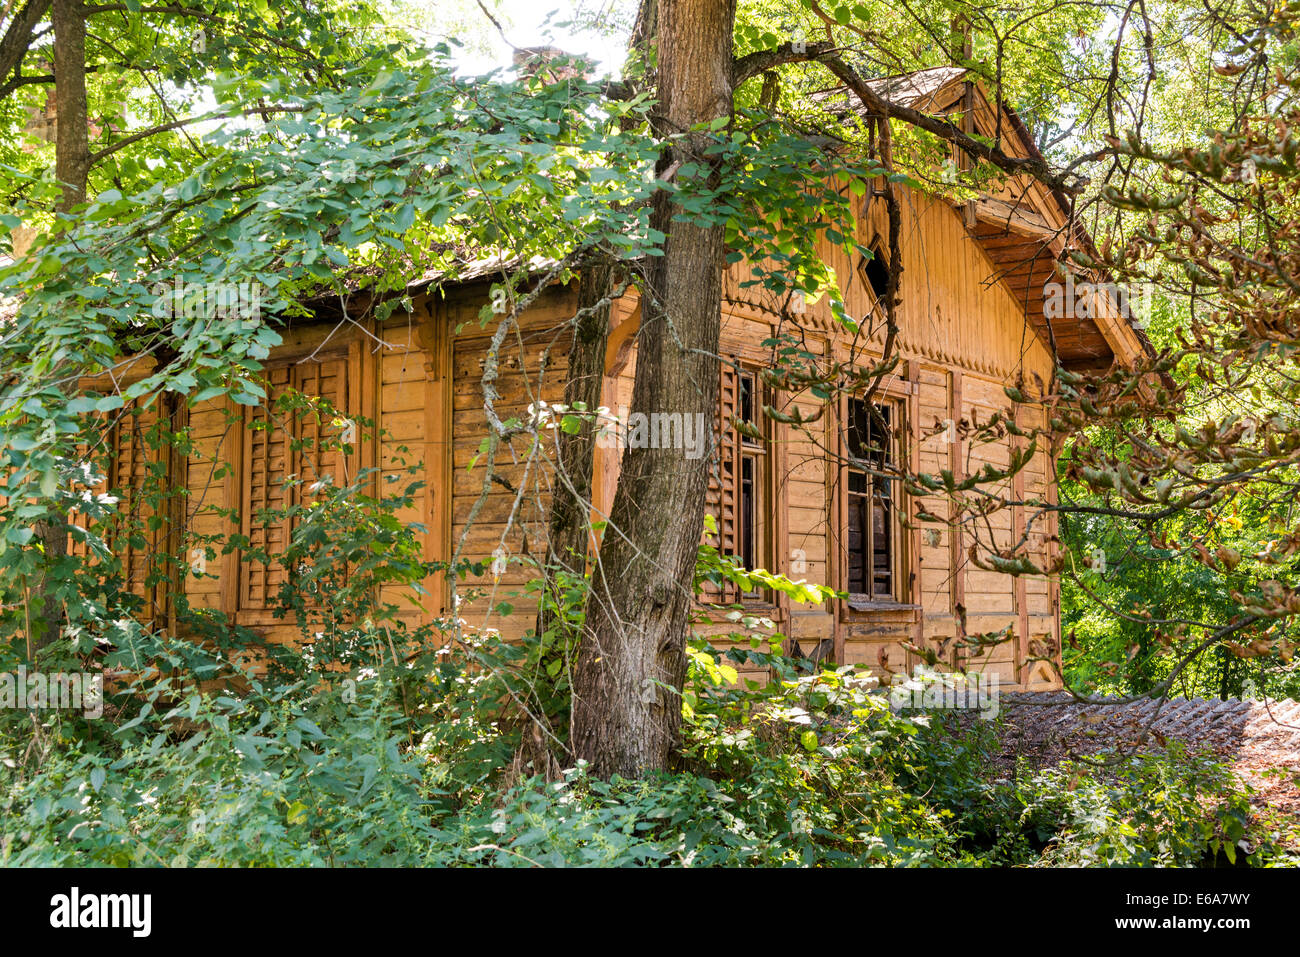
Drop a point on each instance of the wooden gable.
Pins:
(1024, 228)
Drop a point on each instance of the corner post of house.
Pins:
(911, 458)
(235, 492)
(837, 476)
(778, 494)
(956, 534)
(1018, 534)
(434, 337)
(365, 368)
(177, 470)
(1053, 550)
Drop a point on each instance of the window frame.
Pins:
(879, 260)
(744, 506)
(896, 396)
(870, 272)
(756, 454)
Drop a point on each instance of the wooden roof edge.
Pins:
(1127, 341)
(1053, 223)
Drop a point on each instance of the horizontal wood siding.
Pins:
(419, 376)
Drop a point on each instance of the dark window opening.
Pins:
(748, 510)
(749, 493)
(747, 399)
(871, 537)
(747, 406)
(876, 271)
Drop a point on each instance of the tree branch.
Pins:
(751, 65)
(262, 111)
(828, 55)
(17, 39)
(944, 128)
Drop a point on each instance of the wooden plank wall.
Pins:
(420, 377)
(509, 513)
(377, 375)
(965, 338)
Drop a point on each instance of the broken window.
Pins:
(872, 512)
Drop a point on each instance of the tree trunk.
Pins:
(71, 167)
(16, 43)
(569, 529)
(631, 661)
(72, 140)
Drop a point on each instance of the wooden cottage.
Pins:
(972, 321)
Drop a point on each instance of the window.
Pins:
(875, 271)
(873, 528)
(738, 485)
(280, 443)
(751, 459)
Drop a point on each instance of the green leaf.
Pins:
(297, 813)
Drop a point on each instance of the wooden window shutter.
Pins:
(278, 445)
(76, 546)
(132, 458)
(723, 495)
(126, 473)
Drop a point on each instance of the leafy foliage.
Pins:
(378, 741)
(372, 757)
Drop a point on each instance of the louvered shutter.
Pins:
(128, 477)
(723, 496)
(277, 445)
(133, 536)
(77, 517)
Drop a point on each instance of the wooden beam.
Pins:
(955, 533)
(1014, 218)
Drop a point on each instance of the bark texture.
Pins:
(569, 529)
(71, 167)
(631, 661)
(15, 44)
(72, 141)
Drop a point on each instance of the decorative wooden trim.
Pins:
(914, 506)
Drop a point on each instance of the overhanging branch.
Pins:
(17, 39)
(828, 55)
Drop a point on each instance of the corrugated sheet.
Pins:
(1260, 739)
(1199, 721)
